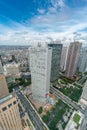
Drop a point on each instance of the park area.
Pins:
(58, 116)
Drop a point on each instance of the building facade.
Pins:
(3, 86)
(40, 66)
(84, 93)
(84, 123)
(56, 60)
(9, 114)
(83, 61)
(12, 69)
(64, 58)
(1, 68)
(72, 58)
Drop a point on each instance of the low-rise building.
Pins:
(75, 121)
(12, 69)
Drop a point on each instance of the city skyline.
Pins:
(43, 64)
(23, 21)
(43, 104)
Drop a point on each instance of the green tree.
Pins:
(40, 110)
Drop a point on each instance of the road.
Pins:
(31, 113)
(66, 99)
(82, 80)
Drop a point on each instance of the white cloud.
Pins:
(61, 3)
(25, 35)
(41, 11)
(51, 23)
(58, 3)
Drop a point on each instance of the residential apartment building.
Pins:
(72, 58)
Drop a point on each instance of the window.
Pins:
(4, 108)
(10, 105)
(14, 102)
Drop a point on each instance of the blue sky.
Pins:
(29, 21)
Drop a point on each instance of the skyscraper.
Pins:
(83, 62)
(9, 114)
(1, 68)
(40, 66)
(72, 58)
(3, 86)
(56, 59)
(84, 93)
(64, 58)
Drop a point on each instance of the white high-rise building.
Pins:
(40, 66)
(83, 60)
(1, 68)
(64, 58)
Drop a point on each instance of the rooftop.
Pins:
(12, 65)
(76, 118)
(75, 121)
(6, 98)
